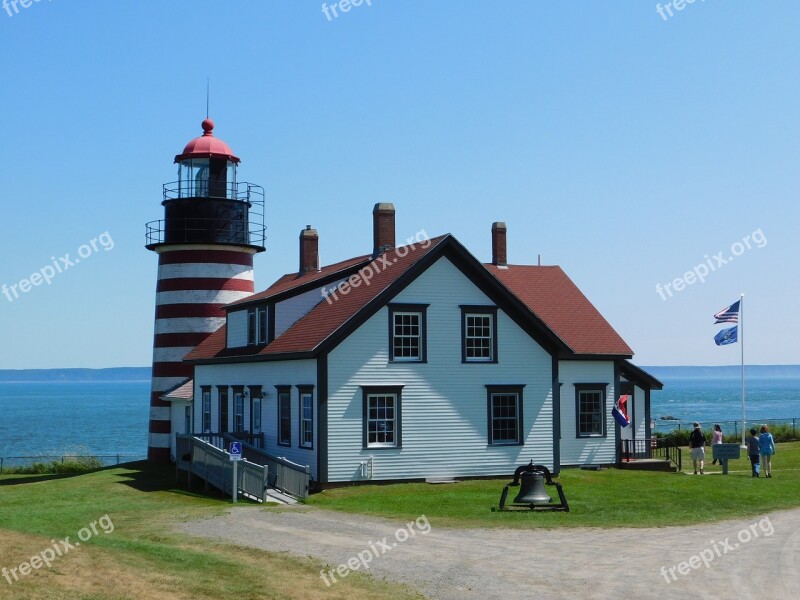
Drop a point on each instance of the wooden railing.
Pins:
(214, 466)
(284, 475)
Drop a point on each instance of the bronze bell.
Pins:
(532, 489)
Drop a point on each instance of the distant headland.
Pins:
(144, 373)
(76, 375)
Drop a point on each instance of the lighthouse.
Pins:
(212, 228)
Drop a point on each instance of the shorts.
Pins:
(698, 453)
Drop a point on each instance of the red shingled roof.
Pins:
(294, 280)
(182, 391)
(556, 300)
(546, 291)
(330, 314)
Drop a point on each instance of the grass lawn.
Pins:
(608, 498)
(141, 558)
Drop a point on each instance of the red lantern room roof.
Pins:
(207, 146)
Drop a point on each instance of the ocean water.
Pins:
(716, 400)
(54, 418)
(109, 418)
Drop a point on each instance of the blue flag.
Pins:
(727, 336)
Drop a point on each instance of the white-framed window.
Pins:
(590, 409)
(505, 415)
(407, 335)
(306, 416)
(206, 409)
(479, 334)
(284, 415)
(187, 419)
(382, 417)
(238, 409)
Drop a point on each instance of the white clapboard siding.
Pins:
(444, 402)
(288, 312)
(177, 414)
(237, 328)
(267, 375)
(575, 450)
(639, 420)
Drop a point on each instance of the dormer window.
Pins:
(257, 326)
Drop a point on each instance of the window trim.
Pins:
(220, 390)
(385, 390)
(284, 389)
(492, 390)
(466, 310)
(252, 327)
(303, 390)
(238, 389)
(205, 391)
(256, 397)
(422, 310)
(262, 323)
(591, 387)
(259, 317)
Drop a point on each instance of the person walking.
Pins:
(697, 440)
(753, 450)
(716, 438)
(767, 446)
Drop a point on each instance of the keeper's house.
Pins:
(417, 361)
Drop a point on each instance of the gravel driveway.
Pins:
(757, 557)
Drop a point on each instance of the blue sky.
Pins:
(619, 145)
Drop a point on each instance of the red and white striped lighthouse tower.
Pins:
(212, 228)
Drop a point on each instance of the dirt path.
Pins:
(761, 557)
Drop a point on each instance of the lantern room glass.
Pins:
(207, 178)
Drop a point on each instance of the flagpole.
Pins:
(741, 343)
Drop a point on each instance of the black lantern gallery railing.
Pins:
(211, 220)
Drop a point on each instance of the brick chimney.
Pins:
(309, 250)
(382, 228)
(499, 254)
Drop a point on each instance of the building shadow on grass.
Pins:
(32, 478)
(147, 477)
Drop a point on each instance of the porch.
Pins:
(649, 454)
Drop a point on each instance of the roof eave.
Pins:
(300, 288)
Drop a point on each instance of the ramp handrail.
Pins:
(214, 466)
(285, 475)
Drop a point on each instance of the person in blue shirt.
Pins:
(767, 446)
